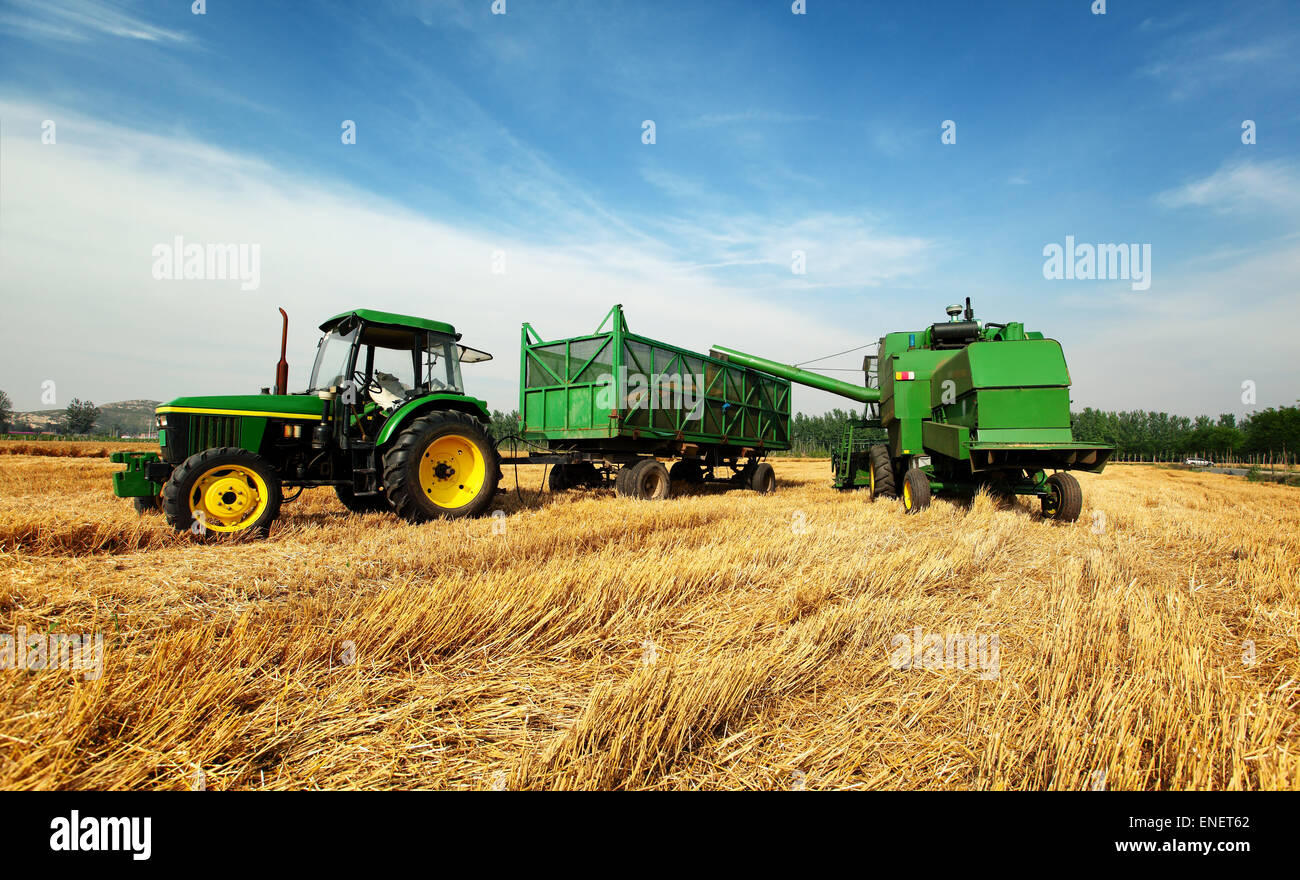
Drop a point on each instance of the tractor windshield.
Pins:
(441, 363)
(333, 356)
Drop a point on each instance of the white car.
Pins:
(1198, 462)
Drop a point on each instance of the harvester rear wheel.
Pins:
(362, 503)
(646, 479)
(763, 479)
(686, 471)
(882, 472)
(1064, 501)
(444, 465)
(916, 491)
(226, 489)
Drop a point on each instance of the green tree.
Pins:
(6, 411)
(80, 416)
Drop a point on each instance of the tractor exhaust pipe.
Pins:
(282, 368)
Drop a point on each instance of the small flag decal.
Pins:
(899, 377)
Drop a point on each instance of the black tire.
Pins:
(916, 491)
(412, 461)
(1064, 502)
(574, 475)
(763, 479)
(647, 479)
(558, 479)
(881, 468)
(146, 504)
(183, 495)
(685, 471)
(377, 503)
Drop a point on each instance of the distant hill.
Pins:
(122, 417)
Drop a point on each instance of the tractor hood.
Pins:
(285, 406)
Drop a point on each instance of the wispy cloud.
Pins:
(81, 21)
(1239, 186)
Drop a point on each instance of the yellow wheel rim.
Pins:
(228, 498)
(907, 495)
(873, 481)
(452, 471)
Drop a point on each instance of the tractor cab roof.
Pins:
(391, 319)
(381, 321)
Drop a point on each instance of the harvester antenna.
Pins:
(837, 354)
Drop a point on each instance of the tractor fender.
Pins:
(413, 409)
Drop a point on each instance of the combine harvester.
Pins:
(966, 405)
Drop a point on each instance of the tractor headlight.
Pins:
(162, 421)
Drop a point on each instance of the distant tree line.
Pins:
(1274, 431)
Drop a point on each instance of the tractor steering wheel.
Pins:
(371, 388)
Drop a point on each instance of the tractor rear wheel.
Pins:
(763, 479)
(882, 472)
(916, 491)
(647, 479)
(227, 490)
(1064, 501)
(443, 465)
(362, 503)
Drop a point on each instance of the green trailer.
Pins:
(609, 405)
(962, 405)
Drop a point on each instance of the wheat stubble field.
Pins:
(710, 641)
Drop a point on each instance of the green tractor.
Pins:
(384, 420)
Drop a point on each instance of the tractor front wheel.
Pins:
(225, 490)
(444, 465)
(916, 491)
(1064, 499)
(882, 472)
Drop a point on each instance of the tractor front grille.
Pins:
(188, 433)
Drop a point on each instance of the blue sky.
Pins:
(774, 132)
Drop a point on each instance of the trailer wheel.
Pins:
(558, 479)
(763, 479)
(362, 503)
(646, 479)
(572, 476)
(443, 465)
(1064, 501)
(882, 472)
(226, 489)
(686, 471)
(916, 491)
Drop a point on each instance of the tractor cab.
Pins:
(371, 364)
